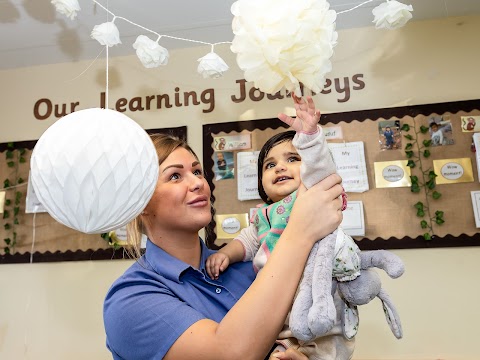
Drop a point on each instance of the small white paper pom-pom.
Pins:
(68, 8)
(391, 15)
(106, 34)
(150, 53)
(211, 66)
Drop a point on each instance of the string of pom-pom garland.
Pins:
(278, 43)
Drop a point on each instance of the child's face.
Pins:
(434, 127)
(281, 171)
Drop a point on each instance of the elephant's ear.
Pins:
(350, 320)
(391, 314)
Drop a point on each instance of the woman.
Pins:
(166, 307)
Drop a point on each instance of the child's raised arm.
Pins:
(307, 116)
(317, 162)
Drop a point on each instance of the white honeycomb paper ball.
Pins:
(94, 170)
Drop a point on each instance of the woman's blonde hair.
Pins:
(164, 145)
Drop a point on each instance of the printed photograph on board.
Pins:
(224, 165)
(440, 130)
(389, 135)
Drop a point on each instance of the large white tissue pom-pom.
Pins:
(282, 43)
(391, 15)
(106, 34)
(94, 170)
(150, 53)
(211, 66)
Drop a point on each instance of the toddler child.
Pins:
(281, 171)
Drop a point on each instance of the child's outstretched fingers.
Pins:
(294, 123)
(307, 116)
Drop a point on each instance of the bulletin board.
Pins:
(53, 241)
(390, 217)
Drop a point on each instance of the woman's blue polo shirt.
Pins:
(159, 297)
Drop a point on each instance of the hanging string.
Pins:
(355, 7)
(107, 57)
(106, 80)
(156, 33)
(33, 234)
(446, 8)
(88, 67)
(29, 298)
(159, 36)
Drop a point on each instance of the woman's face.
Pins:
(281, 171)
(181, 201)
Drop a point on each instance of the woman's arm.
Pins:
(250, 328)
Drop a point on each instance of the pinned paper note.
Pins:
(476, 206)
(229, 225)
(232, 142)
(476, 140)
(2, 201)
(392, 174)
(119, 235)
(353, 222)
(470, 123)
(452, 171)
(247, 178)
(350, 162)
(333, 132)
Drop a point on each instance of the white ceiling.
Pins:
(32, 33)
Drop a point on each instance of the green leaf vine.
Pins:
(14, 157)
(416, 151)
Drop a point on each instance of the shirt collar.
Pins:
(169, 266)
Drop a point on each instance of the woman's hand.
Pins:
(318, 210)
(289, 354)
(307, 116)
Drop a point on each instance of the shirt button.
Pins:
(218, 290)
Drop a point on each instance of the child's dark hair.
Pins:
(269, 144)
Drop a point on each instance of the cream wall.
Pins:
(54, 310)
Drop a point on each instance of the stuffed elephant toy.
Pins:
(313, 313)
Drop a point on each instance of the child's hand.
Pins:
(289, 354)
(307, 116)
(216, 263)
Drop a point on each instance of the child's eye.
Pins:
(269, 165)
(294, 158)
